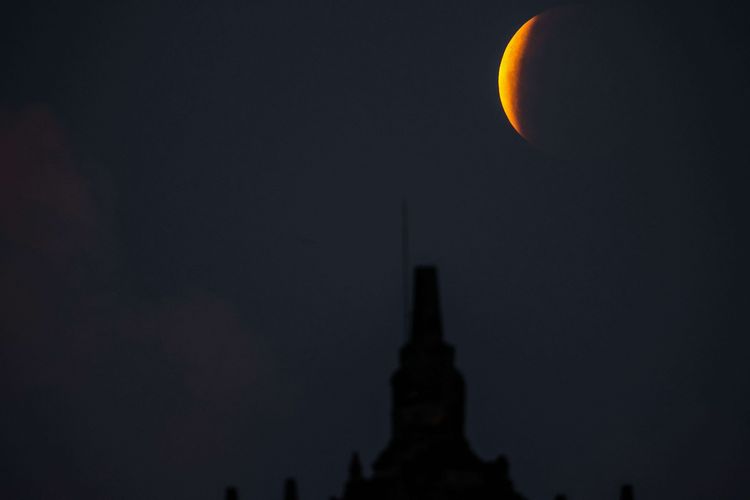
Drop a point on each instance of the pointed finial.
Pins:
(405, 263)
(355, 468)
(232, 493)
(290, 489)
(626, 493)
(426, 321)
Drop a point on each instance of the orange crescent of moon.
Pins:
(509, 76)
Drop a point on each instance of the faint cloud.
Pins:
(45, 203)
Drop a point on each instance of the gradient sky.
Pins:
(200, 249)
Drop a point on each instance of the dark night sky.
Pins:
(200, 249)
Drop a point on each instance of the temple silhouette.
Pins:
(428, 456)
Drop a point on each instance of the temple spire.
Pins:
(355, 480)
(355, 468)
(626, 493)
(426, 324)
(290, 489)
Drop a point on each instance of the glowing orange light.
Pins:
(509, 76)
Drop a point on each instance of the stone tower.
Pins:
(428, 455)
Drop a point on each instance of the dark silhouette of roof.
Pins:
(428, 456)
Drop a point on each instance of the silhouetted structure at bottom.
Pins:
(428, 456)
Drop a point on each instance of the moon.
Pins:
(509, 75)
(567, 78)
(540, 75)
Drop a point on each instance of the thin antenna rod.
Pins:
(405, 263)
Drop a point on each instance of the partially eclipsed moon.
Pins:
(509, 76)
(568, 81)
